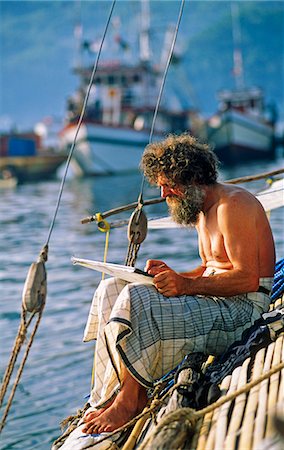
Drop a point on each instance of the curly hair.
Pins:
(182, 159)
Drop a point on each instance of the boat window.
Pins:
(110, 79)
(136, 78)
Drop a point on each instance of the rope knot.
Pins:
(103, 224)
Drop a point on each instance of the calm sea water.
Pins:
(57, 375)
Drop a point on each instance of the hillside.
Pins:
(38, 50)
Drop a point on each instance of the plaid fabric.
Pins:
(150, 334)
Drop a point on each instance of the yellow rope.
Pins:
(106, 250)
(104, 227)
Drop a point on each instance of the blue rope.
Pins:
(278, 283)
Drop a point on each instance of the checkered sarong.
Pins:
(150, 334)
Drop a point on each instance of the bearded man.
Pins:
(144, 331)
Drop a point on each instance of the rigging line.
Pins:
(163, 84)
(79, 123)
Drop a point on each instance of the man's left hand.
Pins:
(170, 283)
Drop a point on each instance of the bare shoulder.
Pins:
(237, 200)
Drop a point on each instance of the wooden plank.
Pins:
(201, 436)
(223, 419)
(238, 410)
(210, 443)
(280, 402)
(260, 420)
(279, 302)
(194, 441)
(273, 389)
(246, 436)
(204, 431)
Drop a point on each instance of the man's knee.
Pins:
(111, 286)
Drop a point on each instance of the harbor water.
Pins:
(57, 375)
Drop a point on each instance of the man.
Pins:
(144, 331)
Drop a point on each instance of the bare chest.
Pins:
(211, 242)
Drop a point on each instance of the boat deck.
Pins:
(247, 421)
(244, 423)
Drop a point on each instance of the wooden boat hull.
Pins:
(32, 168)
(238, 137)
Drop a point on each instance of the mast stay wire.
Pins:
(137, 226)
(34, 292)
(80, 122)
(162, 85)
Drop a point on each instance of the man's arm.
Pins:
(194, 273)
(154, 266)
(237, 224)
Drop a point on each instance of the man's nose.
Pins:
(164, 191)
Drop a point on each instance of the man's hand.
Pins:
(171, 284)
(166, 280)
(155, 266)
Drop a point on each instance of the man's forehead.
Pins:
(163, 179)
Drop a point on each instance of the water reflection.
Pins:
(57, 376)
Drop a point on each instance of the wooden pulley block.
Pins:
(137, 226)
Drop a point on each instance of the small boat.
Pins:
(23, 156)
(240, 131)
(243, 128)
(117, 122)
(8, 180)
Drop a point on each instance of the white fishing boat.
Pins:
(242, 129)
(116, 125)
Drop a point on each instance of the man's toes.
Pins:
(90, 428)
(91, 415)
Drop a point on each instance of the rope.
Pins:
(75, 419)
(132, 254)
(160, 200)
(20, 370)
(79, 123)
(187, 413)
(260, 176)
(192, 416)
(104, 227)
(21, 336)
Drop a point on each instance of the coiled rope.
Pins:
(34, 295)
(138, 220)
(183, 414)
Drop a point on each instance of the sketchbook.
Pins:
(127, 273)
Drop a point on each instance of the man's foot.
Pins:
(97, 412)
(116, 415)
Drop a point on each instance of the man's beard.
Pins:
(186, 210)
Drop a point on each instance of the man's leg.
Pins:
(129, 402)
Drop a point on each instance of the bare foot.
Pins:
(97, 412)
(117, 414)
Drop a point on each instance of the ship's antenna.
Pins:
(237, 38)
(78, 34)
(144, 34)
